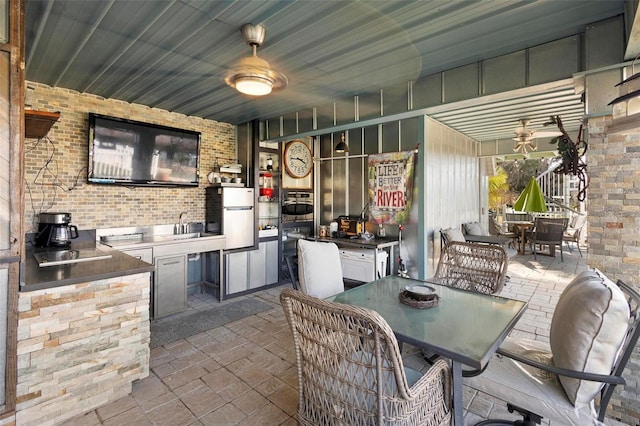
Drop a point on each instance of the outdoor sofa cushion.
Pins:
(473, 228)
(453, 234)
(319, 269)
(587, 331)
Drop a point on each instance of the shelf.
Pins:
(38, 123)
(228, 185)
(264, 233)
(231, 168)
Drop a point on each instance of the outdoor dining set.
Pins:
(349, 342)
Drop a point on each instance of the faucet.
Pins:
(181, 225)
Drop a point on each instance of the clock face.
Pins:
(298, 160)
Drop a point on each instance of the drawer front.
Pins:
(145, 254)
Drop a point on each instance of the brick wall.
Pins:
(613, 208)
(55, 164)
(80, 346)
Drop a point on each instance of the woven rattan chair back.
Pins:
(350, 371)
(476, 267)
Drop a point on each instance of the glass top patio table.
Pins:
(464, 326)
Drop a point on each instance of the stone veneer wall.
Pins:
(106, 206)
(80, 346)
(613, 209)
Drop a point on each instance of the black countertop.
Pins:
(119, 264)
(374, 243)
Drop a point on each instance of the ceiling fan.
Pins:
(253, 75)
(525, 137)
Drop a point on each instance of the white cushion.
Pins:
(587, 330)
(453, 234)
(319, 269)
(473, 228)
(529, 387)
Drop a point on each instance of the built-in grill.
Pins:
(297, 206)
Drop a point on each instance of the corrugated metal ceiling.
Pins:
(496, 117)
(174, 54)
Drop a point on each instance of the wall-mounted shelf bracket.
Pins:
(38, 123)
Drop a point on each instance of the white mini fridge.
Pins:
(230, 212)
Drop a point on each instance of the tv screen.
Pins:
(126, 152)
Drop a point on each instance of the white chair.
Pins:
(574, 231)
(319, 269)
(593, 332)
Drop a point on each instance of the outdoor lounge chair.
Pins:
(471, 229)
(506, 233)
(350, 371)
(449, 235)
(594, 330)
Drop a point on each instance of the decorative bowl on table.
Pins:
(420, 291)
(419, 296)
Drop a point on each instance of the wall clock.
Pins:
(298, 160)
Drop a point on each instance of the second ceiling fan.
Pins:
(525, 137)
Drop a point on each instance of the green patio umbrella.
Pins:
(531, 199)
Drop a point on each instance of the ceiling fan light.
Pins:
(253, 85)
(253, 75)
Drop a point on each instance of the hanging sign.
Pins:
(391, 186)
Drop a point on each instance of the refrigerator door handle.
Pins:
(239, 208)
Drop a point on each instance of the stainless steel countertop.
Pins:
(119, 264)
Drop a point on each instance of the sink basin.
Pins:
(184, 236)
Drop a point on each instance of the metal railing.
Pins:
(557, 190)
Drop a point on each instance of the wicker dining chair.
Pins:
(470, 266)
(350, 371)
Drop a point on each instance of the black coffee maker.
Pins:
(54, 230)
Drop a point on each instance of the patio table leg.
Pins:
(458, 409)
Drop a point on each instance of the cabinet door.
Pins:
(170, 290)
(257, 260)
(271, 261)
(236, 272)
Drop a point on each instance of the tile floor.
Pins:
(244, 373)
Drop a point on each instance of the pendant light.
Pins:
(342, 145)
(253, 75)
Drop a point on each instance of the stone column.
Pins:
(613, 208)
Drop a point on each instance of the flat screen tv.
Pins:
(126, 152)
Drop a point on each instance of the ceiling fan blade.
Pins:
(546, 133)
